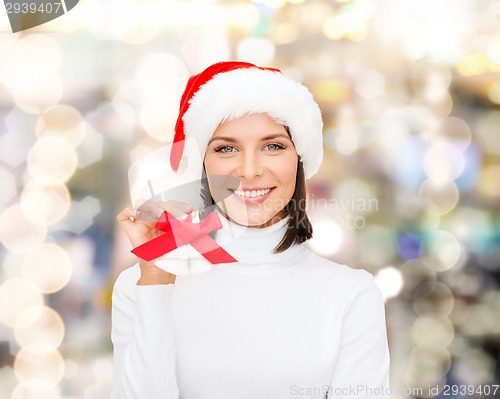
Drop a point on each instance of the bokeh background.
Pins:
(409, 188)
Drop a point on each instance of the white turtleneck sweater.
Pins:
(272, 326)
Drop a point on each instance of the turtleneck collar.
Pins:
(253, 247)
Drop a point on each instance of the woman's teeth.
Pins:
(252, 194)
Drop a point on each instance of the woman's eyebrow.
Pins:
(276, 136)
(234, 140)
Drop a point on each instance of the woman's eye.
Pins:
(224, 148)
(275, 146)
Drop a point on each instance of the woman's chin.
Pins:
(251, 217)
(248, 221)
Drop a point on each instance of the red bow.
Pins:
(179, 233)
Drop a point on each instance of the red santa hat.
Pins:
(228, 90)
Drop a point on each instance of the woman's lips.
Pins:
(252, 200)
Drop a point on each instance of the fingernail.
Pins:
(183, 217)
(159, 211)
(138, 213)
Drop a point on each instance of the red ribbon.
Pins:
(183, 232)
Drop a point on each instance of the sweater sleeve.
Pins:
(144, 352)
(362, 366)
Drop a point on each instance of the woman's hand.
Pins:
(139, 225)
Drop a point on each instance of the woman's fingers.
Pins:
(128, 215)
(176, 208)
(155, 208)
(139, 224)
(150, 211)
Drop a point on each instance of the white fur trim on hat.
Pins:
(230, 95)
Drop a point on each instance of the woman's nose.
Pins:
(250, 166)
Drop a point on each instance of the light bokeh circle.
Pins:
(63, 121)
(16, 295)
(39, 325)
(39, 362)
(35, 389)
(48, 267)
(52, 160)
(45, 204)
(17, 232)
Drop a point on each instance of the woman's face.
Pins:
(251, 165)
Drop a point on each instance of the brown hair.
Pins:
(299, 228)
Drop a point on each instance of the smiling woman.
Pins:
(273, 319)
(265, 164)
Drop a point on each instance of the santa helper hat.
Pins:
(229, 90)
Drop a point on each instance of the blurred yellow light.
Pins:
(16, 295)
(40, 96)
(257, 50)
(159, 115)
(332, 28)
(357, 35)
(489, 181)
(431, 329)
(133, 23)
(443, 162)
(161, 73)
(327, 237)
(244, 15)
(445, 196)
(284, 33)
(64, 121)
(331, 90)
(472, 64)
(494, 50)
(39, 362)
(442, 251)
(494, 93)
(48, 267)
(17, 232)
(296, 1)
(52, 160)
(35, 389)
(39, 325)
(45, 204)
